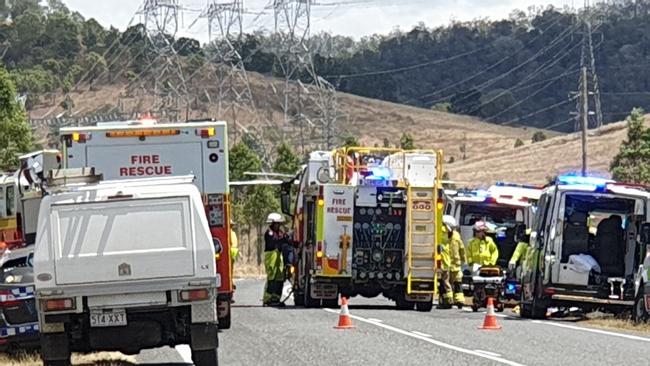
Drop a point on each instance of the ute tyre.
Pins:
(403, 304)
(298, 298)
(205, 358)
(225, 322)
(424, 307)
(639, 313)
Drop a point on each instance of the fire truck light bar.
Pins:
(142, 133)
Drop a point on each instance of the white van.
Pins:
(124, 266)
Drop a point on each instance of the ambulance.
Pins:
(145, 149)
(367, 222)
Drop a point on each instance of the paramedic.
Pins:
(481, 248)
(453, 258)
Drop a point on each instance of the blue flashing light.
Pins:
(379, 173)
(592, 182)
(511, 287)
(481, 193)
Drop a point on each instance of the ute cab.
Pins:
(585, 247)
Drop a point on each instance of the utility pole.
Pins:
(585, 119)
(588, 94)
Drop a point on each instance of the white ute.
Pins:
(125, 266)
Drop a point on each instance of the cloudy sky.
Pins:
(356, 18)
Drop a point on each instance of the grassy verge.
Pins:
(95, 359)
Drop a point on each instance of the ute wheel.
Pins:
(424, 307)
(224, 322)
(205, 358)
(474, 308)
(639, 313)
(500, 308)
(532, 310)
(298, 298)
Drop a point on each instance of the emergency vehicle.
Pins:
(503, 206)
(144, 148)
(589, 248)
(367, 222)
(9, 230)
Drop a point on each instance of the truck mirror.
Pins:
(285, 202)
(645, 233)
(217, 245)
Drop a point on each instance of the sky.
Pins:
(355, 18)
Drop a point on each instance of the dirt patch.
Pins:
(249, 271)
(95, 359)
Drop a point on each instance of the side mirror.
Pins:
(645, 233)
(285, 203)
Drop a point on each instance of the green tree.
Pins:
(538, 136)
(442, 107)
(260, 201)
(242, 159)
(95, 65)
(15, 132)
(632, 163)
(406, 142)
(519, 143)
(350, 141)
(287, 162)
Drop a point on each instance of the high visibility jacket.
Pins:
(234, 245)
(483, 252)
(453, 253)
(520, 253)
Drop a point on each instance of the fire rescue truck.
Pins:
(367, 222)
(144, 148)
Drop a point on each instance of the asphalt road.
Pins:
(385, 336)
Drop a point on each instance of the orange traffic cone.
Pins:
(490, 322)
(345, 322)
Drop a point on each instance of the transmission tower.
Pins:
(588, 107)
(225, 30)
(161, 22)
(292, 29)
(590, 82)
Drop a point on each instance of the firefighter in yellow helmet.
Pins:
(453, 258)
(481, 248)
(274, 239)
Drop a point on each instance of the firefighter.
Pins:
(519, 255)
(273, 241)
(234, 245)
(481, 248)
(453, 258)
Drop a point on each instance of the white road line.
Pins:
(421, 334)
(375, 320)
(590, 330)
(432, 341)
(186, 353)
(487, 353)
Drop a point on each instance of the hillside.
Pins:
(535, 163)
(370, 121)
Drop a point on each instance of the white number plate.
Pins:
(114, 318)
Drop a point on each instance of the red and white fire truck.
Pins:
(143, 148)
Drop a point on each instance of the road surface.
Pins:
(385, 336)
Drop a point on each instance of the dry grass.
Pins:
(617, 324)
(534, 163)
(95, 359)
(370, 120)
(249, 271)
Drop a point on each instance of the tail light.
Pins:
(58, 304)
(80, 137)
(7, 299)
(206, 132)
(194, 295)
(440, 204)
(319, 255)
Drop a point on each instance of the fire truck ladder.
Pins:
(421, 247)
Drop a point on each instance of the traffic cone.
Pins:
(345, 322)
(490, 322)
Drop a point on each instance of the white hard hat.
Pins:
(450, 222)
(480, 226)
(274, 217)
